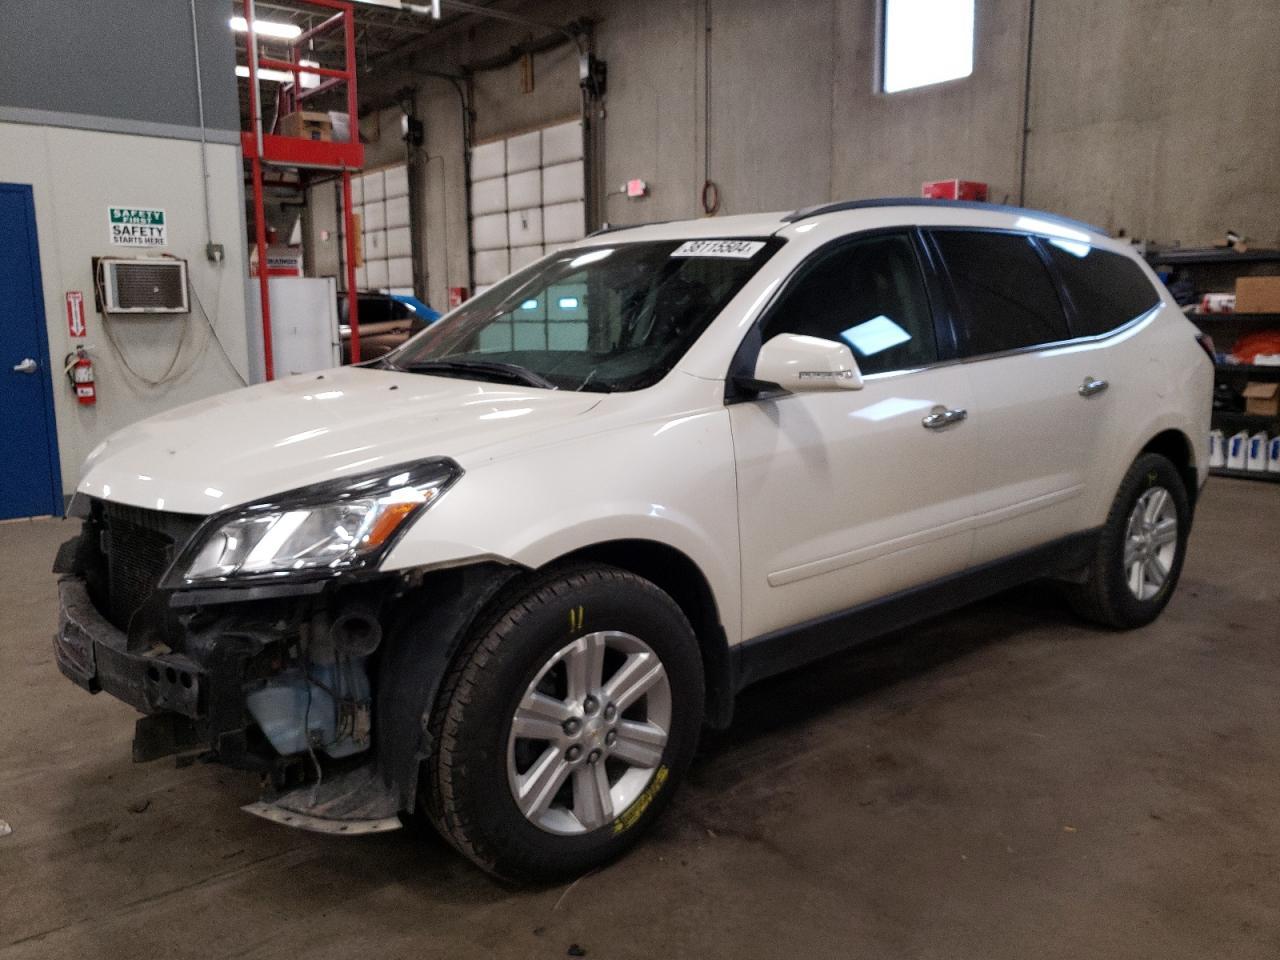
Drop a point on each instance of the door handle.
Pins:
(1091, 386)
(942, 417)
(26, 366)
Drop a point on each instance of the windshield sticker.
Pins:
(733, 249)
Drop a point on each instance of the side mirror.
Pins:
(800, 364)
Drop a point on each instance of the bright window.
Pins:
(926, 41)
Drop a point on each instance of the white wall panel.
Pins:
(400, 272)
(489, 232)
(524, 227)
(539, 202)
(489, 160)
(375, 245)
(561, 143)
(488, 196)
(524, 152)
(373, 186)
(357, 191)
(523, 256)
(491, 266)
(374, 216)
(397, 212)
(399, 242)
(563, 182)
(524, 190)
(377, 274)
(563, 222)
(396, 181)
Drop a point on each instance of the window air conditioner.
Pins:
(143, 285)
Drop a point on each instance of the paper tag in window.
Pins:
(733, 249)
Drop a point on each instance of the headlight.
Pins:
(316, 531)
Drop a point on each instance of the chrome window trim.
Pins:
(1072, 341)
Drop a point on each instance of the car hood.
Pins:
(263, 440)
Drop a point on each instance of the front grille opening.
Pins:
(137, 547)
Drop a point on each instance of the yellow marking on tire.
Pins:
(631, 816)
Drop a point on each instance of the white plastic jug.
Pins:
(1236, 450)
(1256, 454)
(1217, 448)
(1273, 455)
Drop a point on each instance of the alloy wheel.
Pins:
(589, 732)
(1151, 543)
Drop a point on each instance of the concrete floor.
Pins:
(1003, 782)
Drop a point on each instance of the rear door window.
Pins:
(1106, 290)
(1005, 297)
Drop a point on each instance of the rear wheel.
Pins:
(1139, 556)
(565, 724)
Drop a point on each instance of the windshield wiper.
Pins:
(507, 371)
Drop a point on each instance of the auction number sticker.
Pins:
(733, 249)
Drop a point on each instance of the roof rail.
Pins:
(870, 204)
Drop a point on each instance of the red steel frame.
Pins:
(262, 149)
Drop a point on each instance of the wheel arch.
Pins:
(1175, 446)
(676, 574)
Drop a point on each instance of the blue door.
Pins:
(30, 480)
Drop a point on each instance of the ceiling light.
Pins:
(309, 80)
(267, 28)
(275, 76)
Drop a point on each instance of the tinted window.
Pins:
(1106, 289)
(1004, 294)
(867, 293)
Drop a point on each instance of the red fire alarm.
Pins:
(457, 296)
(637, 189)
(953, 190)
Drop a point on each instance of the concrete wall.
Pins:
(75, 176)
(1157, 117)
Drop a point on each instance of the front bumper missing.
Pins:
(183, 701)
(95, 655)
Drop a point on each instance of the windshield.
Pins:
(596, 318)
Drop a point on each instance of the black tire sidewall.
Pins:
(1149, 470)
(534, 629)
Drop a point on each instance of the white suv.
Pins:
(505, 574)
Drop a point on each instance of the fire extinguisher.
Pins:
(79, 370)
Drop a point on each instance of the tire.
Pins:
(493, 792)
(1109, 596)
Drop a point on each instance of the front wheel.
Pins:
(1140, 551)
(565, 724)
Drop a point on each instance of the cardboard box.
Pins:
(1262, 398)
(1258, 295)
(953, 190)
(307, 124)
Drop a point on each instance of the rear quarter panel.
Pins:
(1163, 381)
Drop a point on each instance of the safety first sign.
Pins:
(137, 227)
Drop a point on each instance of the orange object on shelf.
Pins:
(1248, 347)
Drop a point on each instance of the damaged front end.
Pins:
(292, 675)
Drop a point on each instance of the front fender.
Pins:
(670, 481)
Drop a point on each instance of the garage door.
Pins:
(527, 199)
(380, 198)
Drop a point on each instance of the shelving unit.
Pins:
(264, 148)
(1218, 269)
(1225, 328)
